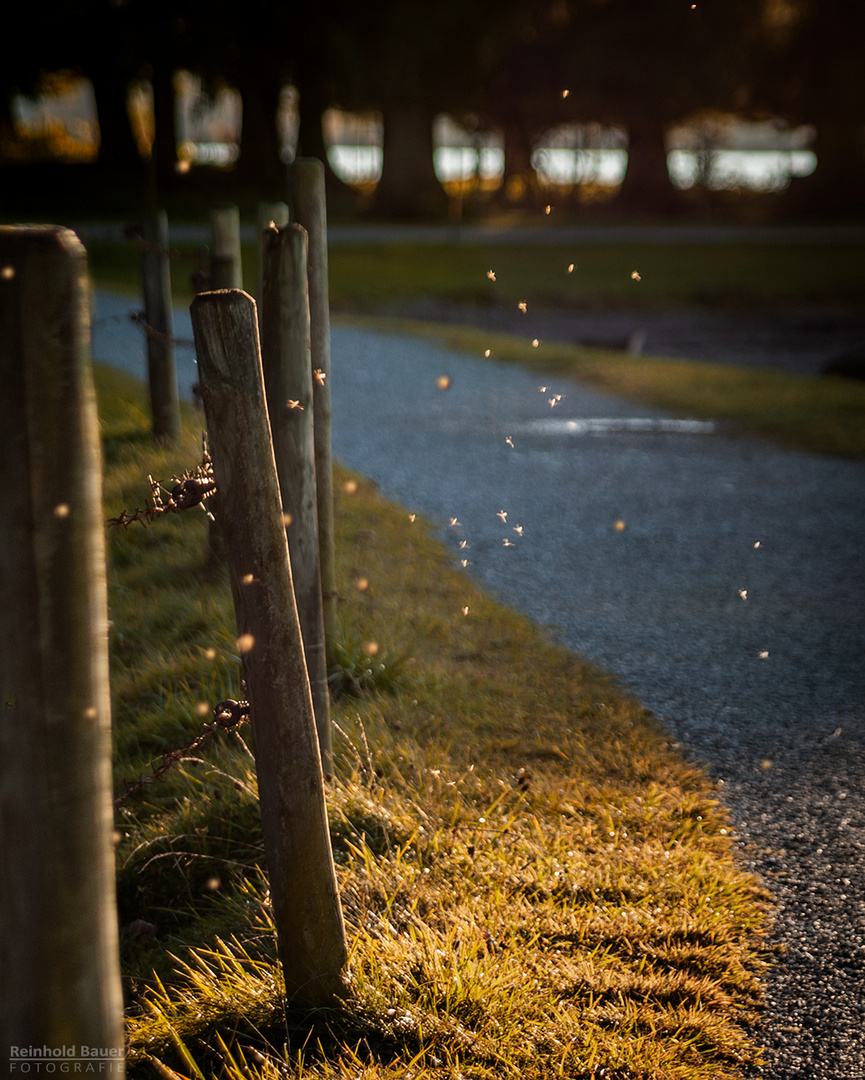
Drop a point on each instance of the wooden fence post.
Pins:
(226, 272)
(309, 209)
(306, 908)
(284, 321)
(60, 983)
(265, 213)
(225, 266)
(159, 332)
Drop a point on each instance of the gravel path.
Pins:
(767, 688)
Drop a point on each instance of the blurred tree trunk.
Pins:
(165, 140)
(118, 151)
(409, 187)
(259, 164)
(646, 185)
(8, 131)
(310, 144)
(837, 185)
(310, 141)
(519, 181)
(811, 73)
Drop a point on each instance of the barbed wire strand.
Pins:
(227, 714)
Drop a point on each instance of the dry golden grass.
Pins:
(535, 883)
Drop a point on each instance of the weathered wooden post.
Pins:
(225, 266)
(226, 272)
(309, 209)
(288, 381)
(306, 908)
(60, 982)
(265, 213)
(159, 331)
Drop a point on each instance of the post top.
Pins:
(43, 237)
(222, 296)
(291, 233)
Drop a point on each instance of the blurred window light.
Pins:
(221, 155)
(568, 167)
(209, 125)
(354, 145)
(722, 153)
(356, 165)
(60, 122)
(454, 163)
(754, 170)
(465, 152)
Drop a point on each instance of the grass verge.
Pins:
(368, 277)
(596, 275)
(535, 883)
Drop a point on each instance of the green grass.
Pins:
(364, 278)
(535, 883)
(809, 413)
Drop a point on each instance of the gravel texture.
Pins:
(766, 688)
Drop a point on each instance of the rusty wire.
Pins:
(228, 714)
(191, 489)
(200, 277)
(131, 233)
(139, 318)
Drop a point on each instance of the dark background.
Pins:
(493, 65)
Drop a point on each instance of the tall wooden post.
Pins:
(225, 266)
(60, 982)
(161, 366)
(265, 214)
(309, 209)
(306, 906)
(284, 322)
(226, 272)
